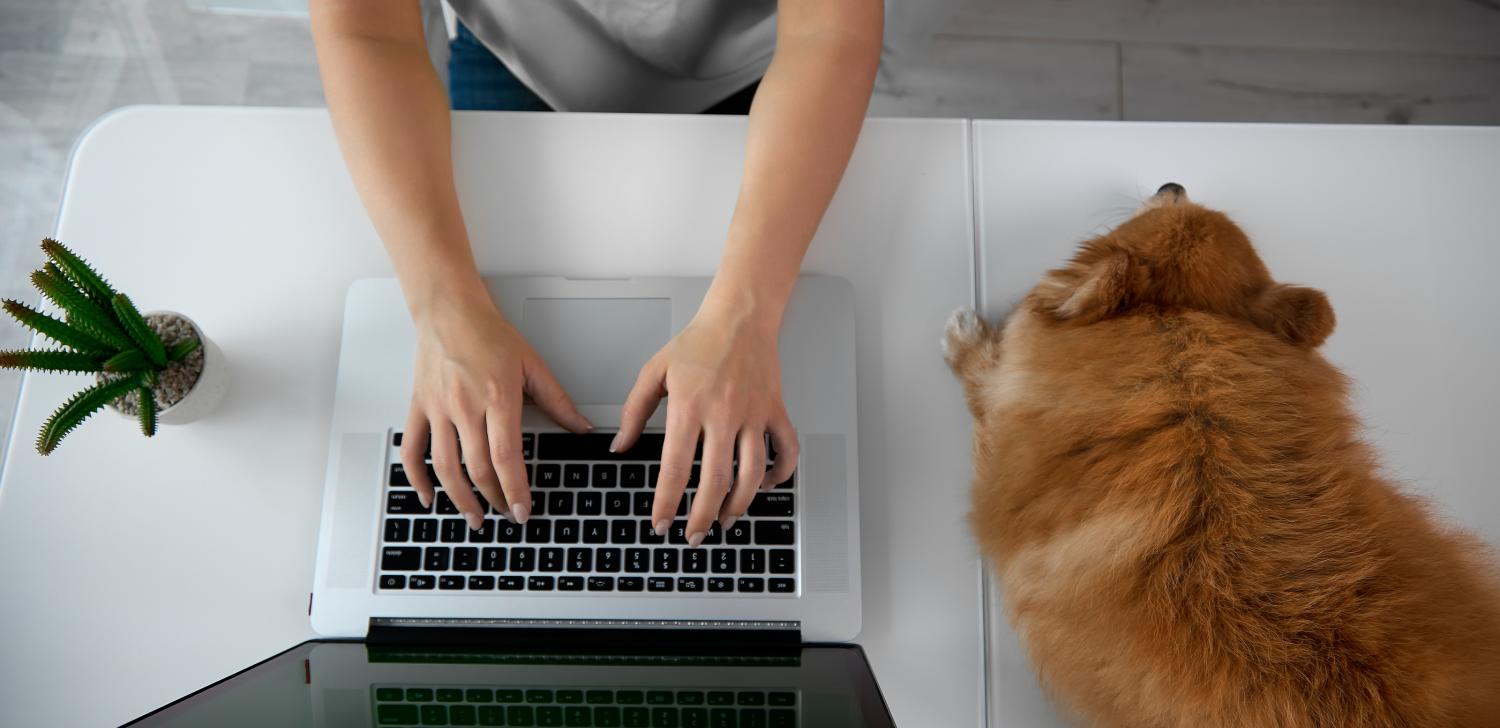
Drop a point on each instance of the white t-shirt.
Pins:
(670, 56)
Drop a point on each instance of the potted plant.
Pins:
(155, 368)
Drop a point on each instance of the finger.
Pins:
(713, 481)
(504, 422)
(450, 472)
(640, 404)
(551, 398)
(747, 482)
(784, 437)
(476, 449)
(414, 455)
(678, 447)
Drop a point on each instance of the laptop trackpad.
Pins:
(596, 346)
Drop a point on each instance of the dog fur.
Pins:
(1187, 529)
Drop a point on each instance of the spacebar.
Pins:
(595, 446)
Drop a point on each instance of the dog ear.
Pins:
(1302, 316)
(1092, 292)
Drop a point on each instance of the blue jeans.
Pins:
(478, 81)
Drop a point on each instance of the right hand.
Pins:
(473, 370)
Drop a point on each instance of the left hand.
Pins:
(723, 373)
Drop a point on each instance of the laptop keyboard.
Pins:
(399, 705)
(590, 530)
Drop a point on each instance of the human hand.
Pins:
(724, 377)
(473, 370)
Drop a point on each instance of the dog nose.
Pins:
(1171, 189)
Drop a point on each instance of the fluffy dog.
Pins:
(1187, 529)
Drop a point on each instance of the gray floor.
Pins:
(65, 62)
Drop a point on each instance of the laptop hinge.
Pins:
(662, 636)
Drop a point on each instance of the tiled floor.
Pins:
(65, 62)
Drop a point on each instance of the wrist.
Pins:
(449, 310)
(739, 307)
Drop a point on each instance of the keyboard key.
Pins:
(539, 504)
(596, 531)
(751, 584)
(508, 583)
(590, 503)
(551, 559)
(752, 561)
(622, 532)
(453, 530)
(607, 560)
(538, 530)
(450, 582)
(424, 530)
(511, 696)
(601, 583)
(648, 534)
(398, 558)
(549, 715)
(565, 531)
(539, 583)
(421, 581)
(738, 534)
(445, 505)
(492, 559)
(570, 583)
(450, 695)
(580, 560)
(642, 503)
(689, 584)
(720, 584)
(418, 695)
(606, 716)
(481, 583)
(606, 476)
(659, 697)
(523, 558)
(388, 695)
(749, 698)
(720, 697)
(659, 584)
(636, 717)
(478, 695)
(772, 505)
(595, 446)
(678, 534)
(507, 532)
(695, 561)
(434, 715)
(783, 586)
(403, 501)
(632, 476)
(722, 561)
(575, 476)
(436, 558)
(398, 477)
(773, 533)
(715, 535)
(548, 475)
(780, 698)
(485, 534)
(689, 697)
(519, 715)
(528, 445)
(637, 561)
(782, 718)
(465, 558)
(392, 581)
(616, 503)
(790, 482)
(664, 561)
(560, 504)
(655, 475)
(568, 697)
(631, 583)
(783, 561)
(396, 714)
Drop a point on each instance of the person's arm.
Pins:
(390, 113)
(723, 371)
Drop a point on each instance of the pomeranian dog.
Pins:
(1187, 529)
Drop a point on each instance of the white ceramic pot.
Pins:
(206, 393)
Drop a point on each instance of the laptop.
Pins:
(582, 615)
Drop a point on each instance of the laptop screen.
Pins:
(336, 684)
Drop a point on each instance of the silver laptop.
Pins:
(587, 559)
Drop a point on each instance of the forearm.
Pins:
(804, 122)
(390, 114)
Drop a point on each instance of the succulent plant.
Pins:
(101, 332)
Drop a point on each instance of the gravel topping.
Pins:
(177, 379)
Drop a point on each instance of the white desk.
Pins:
(136, 571)
(1395, 224)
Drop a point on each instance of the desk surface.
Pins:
(131, 580)
(1393, 223)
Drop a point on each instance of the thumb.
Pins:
(549, 396)
(643, 400)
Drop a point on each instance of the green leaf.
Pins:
(55, 329)
(130, 360)
(47, 360)
(82, 312)
(78, 409)
(183, 348)
(147, 411)
(136, 326)
(79, 272)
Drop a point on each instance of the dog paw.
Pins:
(965, 330)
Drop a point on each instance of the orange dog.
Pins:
(1188, 531)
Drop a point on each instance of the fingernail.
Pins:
(520, 512)
(476, 520)
(507, 516)
(662, 527)
(614, 445)
(426, 502)
(696, 539)
(586, 424)
(728, 523)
